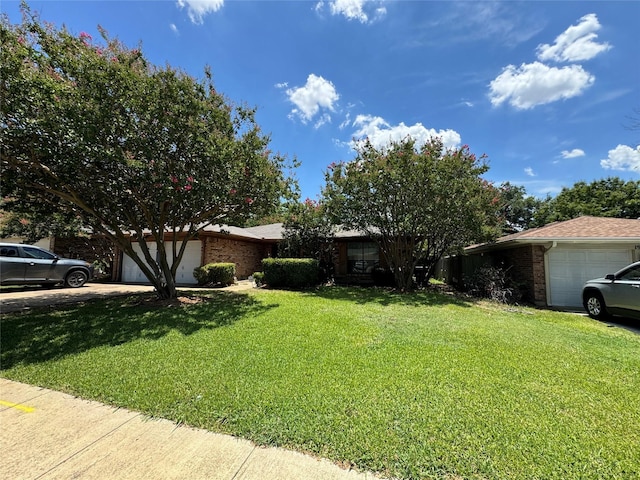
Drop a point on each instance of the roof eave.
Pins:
(486, 247)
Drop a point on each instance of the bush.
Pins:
(290, 272)
(258, 277)
(494, 283)
(383, 277)
(222, 274)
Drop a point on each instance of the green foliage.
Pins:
(92, 129)
(290, 272)
(308, 233)
(258, 277)
(222, 274)
(516, 208)
(493, 283)
(609, 197)
(416, 203)
(33, 220)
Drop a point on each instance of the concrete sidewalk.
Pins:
(51, 435)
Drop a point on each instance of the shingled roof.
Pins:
(582, 229)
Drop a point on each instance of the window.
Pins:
(633, 274)
(37, 253)
(362, 257)
(9, 252)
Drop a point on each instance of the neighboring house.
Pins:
(553, 262)
(246, 247)
(354, 260)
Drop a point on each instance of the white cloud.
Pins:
(324, 118)
(535, 84)
(173, 28)
(529, 172)
(576, 43)
(576, 152)
(540, 188)
(380, 133)
(355, 9)
(623, 157)
(198, 9)
(316, 94)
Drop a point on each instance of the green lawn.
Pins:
(415, 386)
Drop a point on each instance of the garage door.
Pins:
(131, 273)
(570, 268)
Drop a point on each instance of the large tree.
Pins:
(416, 203)
(134, 151)
(517, 209)
(609, 197)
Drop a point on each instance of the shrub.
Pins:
(383, 277)
(494, 283)
(290, 272)
(215, 274)
(258, 277)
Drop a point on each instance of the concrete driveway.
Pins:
(24, 298)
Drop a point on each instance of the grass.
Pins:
(413, 386)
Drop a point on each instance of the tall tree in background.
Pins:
(609, 197)
(416, 203)
(517, 209)
(93, 131)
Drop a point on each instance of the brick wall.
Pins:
(246, 255)
(539, 277)
(527, 268)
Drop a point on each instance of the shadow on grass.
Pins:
(384, 296)
(46, 334)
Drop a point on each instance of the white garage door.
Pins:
(131, 273)
(570, 268)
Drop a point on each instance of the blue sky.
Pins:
(544, 88)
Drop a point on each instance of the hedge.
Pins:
(290, 272)
(216, 274)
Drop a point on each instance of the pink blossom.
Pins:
(188, 187)
(248, 200)
(174, 179)
(86, 38)
(233, 191)
(189, 179)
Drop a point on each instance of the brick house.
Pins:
(355, 256)
(554, 261)
(246, 247)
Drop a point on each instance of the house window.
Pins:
(362, 257)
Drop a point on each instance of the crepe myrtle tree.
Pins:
(134, 151)
(417, 203)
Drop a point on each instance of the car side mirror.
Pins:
(610, 276)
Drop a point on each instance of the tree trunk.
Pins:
(403, 277)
